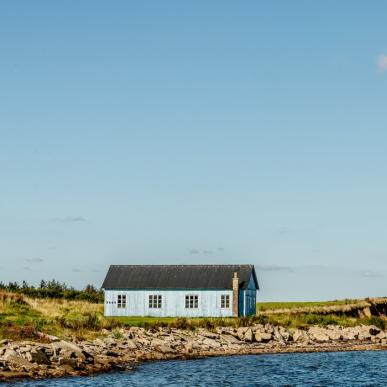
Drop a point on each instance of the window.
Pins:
(155, 301)
(225, 301)
(121, 301)
(191, 301)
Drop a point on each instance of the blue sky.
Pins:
(196, 132)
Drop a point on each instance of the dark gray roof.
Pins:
(177, 276)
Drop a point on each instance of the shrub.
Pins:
(377, 321)
(19, 332)
(180, 323)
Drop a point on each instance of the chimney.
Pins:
(235, 295)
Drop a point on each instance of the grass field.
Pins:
(264, 306)
(24, 318)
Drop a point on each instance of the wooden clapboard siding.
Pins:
(173, 303)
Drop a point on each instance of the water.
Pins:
(298, 369)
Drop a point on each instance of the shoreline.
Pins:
(125, 349)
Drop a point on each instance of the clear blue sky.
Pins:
(196, 132)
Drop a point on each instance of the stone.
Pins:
(9, 352)
(318, 334)
(230, 339)
(262, 337)
(112, 353)
(350, 334)
(188, 347)
(300, 336)
(36, 355)
(66, 346)
(165, 349)
(67, 361)
(131, 344)
(211, 343)
(210, 335)
(381, 335)
(19, 362)
(248, 335)
(373, 330)
(241, 332)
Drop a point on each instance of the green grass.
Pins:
(23, 318)
(264, 306)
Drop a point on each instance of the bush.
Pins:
(378, 322)
(88, 321)
(19, 332)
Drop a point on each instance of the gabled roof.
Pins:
(178, 276)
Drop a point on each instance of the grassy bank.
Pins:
(272, 306)
(22, 317)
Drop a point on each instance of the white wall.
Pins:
(173, 303)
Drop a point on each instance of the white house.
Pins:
(180, 290)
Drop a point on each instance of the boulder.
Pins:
(334, 335)
(63, 346)
(381, 335)
(18, 363)
(131, 344)
(241, 332)
(248, 335)
(350, 334)
(373, 330)
(319, 334)
(36, 355)
(210, 335)
(188, 347)
(211, 343)
(230, 339)
(262, 337)
(164, 349)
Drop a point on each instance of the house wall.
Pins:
(248, 300)
(173, 303)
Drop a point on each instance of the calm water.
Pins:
(317, 369)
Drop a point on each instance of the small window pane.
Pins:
(121, 301)
(191, 301)
(225, 301)
(155, 301)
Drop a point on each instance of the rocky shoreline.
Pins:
(124, 348)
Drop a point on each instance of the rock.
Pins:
(230, 339)
(157, 342)
(19, 363)
(365, 312)
(248, 335)
(65, 345)
(166, 348)
(210, 335)
(188, 347)
(373, 330)
(381, 335)
(112, 353)
(334, 335)
(10, 353)
(286, 336)
(350, 334)
(36, 355)
(211, 343)
(241, 332)
(277, 336)
(131, 344)
(262, 337)
(318, 334)
(67, 361)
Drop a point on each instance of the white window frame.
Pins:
(225, 301)
(191, 301)
(155, 301)
(121, 301)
